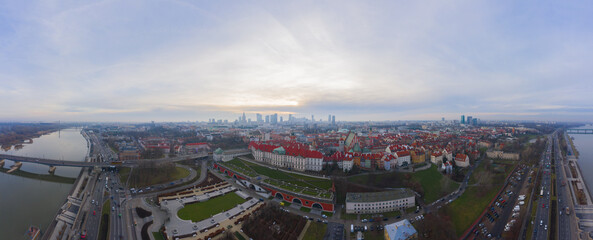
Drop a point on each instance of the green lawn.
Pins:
(315, 231)
(434, 184)
(318, 182)
(468, 207)
(305, 209)
(158, 236)
(202, 210)
(432, 181)
(124, 174)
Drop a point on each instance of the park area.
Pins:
(140, 177)
(201, 210)
(430, 182)
(487, 179)
(290, 181)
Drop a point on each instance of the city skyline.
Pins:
(184, 61)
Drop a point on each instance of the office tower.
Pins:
(312, 118)
(329, 118)
(462, 119)
(274, 118)
(267, 118)
(469, 120)
(281, 119)
(290, 117)
(475, 121)
(259, 117)
(334, 120)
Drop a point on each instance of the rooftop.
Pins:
(400, 230)
(379, 196)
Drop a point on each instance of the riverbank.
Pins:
(43, 177)
(63, 226)
(579, 187)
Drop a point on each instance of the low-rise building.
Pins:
(461, 160)
(197, 147)
(402, 230)
(378, 202)
(403, 158)
(128, 153)
(347, 164)
(436, 158)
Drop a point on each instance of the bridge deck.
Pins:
(53, 162)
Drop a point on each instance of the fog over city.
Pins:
(358, 60)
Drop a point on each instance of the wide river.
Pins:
(25, 201)
(584, 144)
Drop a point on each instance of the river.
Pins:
(25, 201)
(584, 144)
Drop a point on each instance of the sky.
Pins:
(175, 60)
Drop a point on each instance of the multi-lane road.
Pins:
(566, 224)
(542, 216)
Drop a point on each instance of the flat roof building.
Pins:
(378, 202)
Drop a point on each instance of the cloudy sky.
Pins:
(176, 60)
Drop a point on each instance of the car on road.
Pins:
(94, 213)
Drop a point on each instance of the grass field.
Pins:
(315, 231)
(307, 185)
(434, 184)
(432, 181)
(124, 174)
(468, 207)
(202, 210)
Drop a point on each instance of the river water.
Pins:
(584, 144)
(25, 201)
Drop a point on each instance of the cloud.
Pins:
(173, 60)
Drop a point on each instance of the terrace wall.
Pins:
(305, 202)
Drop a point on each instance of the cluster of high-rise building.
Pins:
(469, 120)
(276, 119)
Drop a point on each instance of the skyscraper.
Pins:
(334, 120)
(244, 118)
(312, 118)
(267, 118)
(281, 119)
(462, 119)
(274, 118)
(329, 118)
(469, 120)
(290, 117)
(259, 117)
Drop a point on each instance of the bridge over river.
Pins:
(54, 162)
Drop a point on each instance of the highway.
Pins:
(566, 225)
(94, 220)
(542, 218)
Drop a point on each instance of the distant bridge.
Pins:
(579, 131)
(53, 162)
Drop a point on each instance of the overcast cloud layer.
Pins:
(359, 60)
